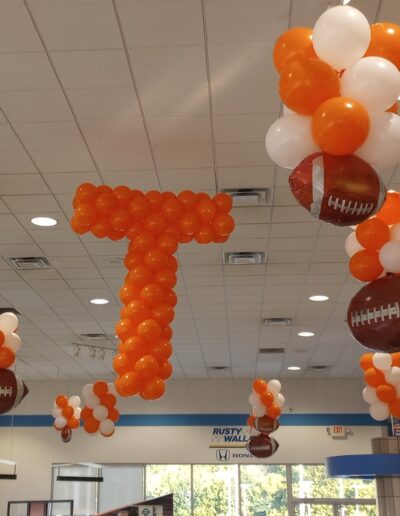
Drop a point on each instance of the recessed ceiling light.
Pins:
(43, 221)
(294, 368)
(306, 334)
(318, 297)
(99, 301)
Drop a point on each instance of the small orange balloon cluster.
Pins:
(266, 399)
(154, 223)
(382, 376)
(99, 413)
(374, 247)
(67, 413)
(10, 342)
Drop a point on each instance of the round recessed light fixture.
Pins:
(294, 368)
(44, 221)
(306, 334)
(99, 301)
(318, 297)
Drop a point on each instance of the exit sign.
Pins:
(337, 431)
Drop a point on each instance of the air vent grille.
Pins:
(219, 368)
(244, 258)
(319, 367)
(271, 351)
(93, 336)
(29, 263)
(277, 321)
(249, 196)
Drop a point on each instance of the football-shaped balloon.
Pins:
(66, 434)
(12, 390)
(342, 190)
(266, 424)
(262, 446)
(373, 315)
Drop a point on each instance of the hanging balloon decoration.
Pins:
(67, 413)
(99, 413)
(341, 83)
(155, 224)
(12, 388)
(266, 403)
(382, 376)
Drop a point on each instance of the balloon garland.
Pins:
(66, 412)
(382, 376)
(339, 83)
(154, 223)
(266, 403)
(99, 413)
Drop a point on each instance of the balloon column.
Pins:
(12, 388)
(340, 83)
(266, 403)
(154, 223)
(382, 376)
(99, 413)
(66, 412)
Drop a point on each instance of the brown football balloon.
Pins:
(66, 434)
(266, 424)
(373, 315)
(262, 446)
(342, 190)
(12, 390)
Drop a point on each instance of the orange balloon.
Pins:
(166, 279)
(100, 389)
(171, 298)
(172, 209)
(125, 329)
(168, 243)
(124, 195)
(139, 276)
(188, 199)
(260, 385)
(135, 347)
(147, 366)
(274, 411)
(128, 293)
(267, 399)
(205, 234)
(131, 383)
(224, 202)
(85, 193)
(366, 361)
(67, 412)
(86, 413)
(79, 228)
(86, 214)
(161, 349)
(250, 421)
(62, 401)
(394, 407)
(113, 414)
(390, 211)
(154, 197)
(223, 224)
(108, 400)
(291, 45)
(385, 42)
(140, 207)
(306, 83)
(173, 264)
(165, 370)
(206, 210)
(393, 109)
(106, 203)
(73, 423)
(101, 228)
(7, 357)
(2, 338)
(386, 392)
(365, 265)
(156, 260)
(396, 359)
(149, 329)
(163, 313)
(340, 126)
(154, 389)
(189, 224)
(166, 333)
(91, 425)
(155, 223)
(144, 241)
(152, 294)
(373, 233)
(374, 377)
(121, 363)
(133, 259)
(136, 312)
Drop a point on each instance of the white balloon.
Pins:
(274, 386)
(258, 410)
(379, 411)
(373, 81)
(254, 398)
(107, 427)
(77, 412)
(112, 389)
(254, 432)
(352, 245)
(8, 322)
(382, 361)
(389, 256)
(56, 412)
(87, 390)
(92, 401)
(395, 233)
(74, 401)
(341, 36)
(100, 413)
(381, 148)
(392, 376)
(60, 422)
(280, 400)
(13, 341)
(369, 395)
(289, 140)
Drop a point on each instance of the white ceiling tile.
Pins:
(172, 100)
(8, 140)
(252, 215)
(93, 69)
(54, 236)
(25, 185)
(104, 103)
(17, 32)
(68, 183)
(241, 128)
(157, 23)
(135, 157)
(179, 130)
(67, 249)
(63, 160)
(116, 133)
(291, 244)
(284, 230)
(198, 179)
(78, 27)
(35, 106)
(26, 71)
(31, 203)
(183, 155)
(49, 135)
(237, 98)
(16, 161)
(290, 214)
(143, 180)
(241, 154)
(246, 177)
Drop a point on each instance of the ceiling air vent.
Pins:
(271, 351)
(219, 368)
(277, 321)
(248, 196)
(93, 336)
(319, 367)
(244, 258)
(29, 263)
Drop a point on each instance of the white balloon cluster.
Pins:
(341, 37)
(66, 412)
(8, 327)
(100, 414)
(383, 389)
(265, 400)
